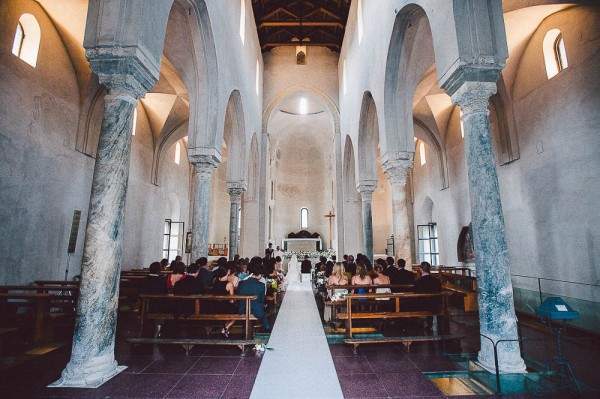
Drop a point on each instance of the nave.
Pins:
(306, 359)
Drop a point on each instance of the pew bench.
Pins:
(36, 310)
(170, 301)
(403, 308)
(462, 285)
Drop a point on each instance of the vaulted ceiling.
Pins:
(301, 22)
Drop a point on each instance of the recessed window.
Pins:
(428, 243)
(462, 125)
(303, 106)
(344, 77)
(257, 77)
(422, 153)
(304, 218)
(359, 21)
(239, 226)
(242, 20)
(177, 152)
(555, 54)
(27, 39)
(134, 125)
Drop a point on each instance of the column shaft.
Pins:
(339, 195)
(92, 358)
(236, 198)
(366, 193)
(201, 219)
(262, 193)
(397, 171)
(495, 295)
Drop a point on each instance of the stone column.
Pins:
(366, 188)
(397, 169)
(339, 194)
(203, 167)
(263, 193)
(235, 192)
(92, 358)
(495, 294)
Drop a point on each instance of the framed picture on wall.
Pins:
(188, 242)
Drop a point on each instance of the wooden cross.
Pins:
(330, 215)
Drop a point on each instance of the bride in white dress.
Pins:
(293, 273)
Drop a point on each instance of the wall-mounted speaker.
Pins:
(74, 231)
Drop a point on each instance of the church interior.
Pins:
(462, 133)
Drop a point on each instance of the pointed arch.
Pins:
(234, 135)
(368, 139)
(204, 138)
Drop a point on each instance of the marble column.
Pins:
(366, 188)
(495, 294)
(397, 169)
(92, 358)
(339, 194)
(203, 167)
(235, 193)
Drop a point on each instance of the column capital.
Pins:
(121, 71)
(203, 165)
(366, 188)
(397, 166)
(474, 96)
(235, 190)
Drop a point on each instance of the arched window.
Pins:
(177, 152)
(555, 55)
(257, 77)
(27, 39)
(462, 125)
(359, 22)
(134, 125)
(304, 218)
(422, 153)
(242, 20)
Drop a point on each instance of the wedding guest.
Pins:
(402, 276)
(306, 265)
(222, 286)
(381, 279)
(154, 282)
(233, 277)
(269, 251)
(206, 272)
(178, 274)
(361, 278)
(253, 286)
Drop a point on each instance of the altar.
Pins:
(302, 241)
(301, 244)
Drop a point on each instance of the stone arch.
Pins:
(368, 139)
(90, 120)
(204, 138)
(168, 138)
(431, 138)
(234, 135)
(350, 192)
(253, 171)
(503, 124)
(427, 209)
(296, 88)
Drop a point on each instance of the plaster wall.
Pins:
(382, 211)
(549, 195)
(220, 207)
(43, 179)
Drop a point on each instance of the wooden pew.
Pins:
(37, 307)
(166, 301)
(463, 285)
(56, 282)
(337, 304)
(398, 312)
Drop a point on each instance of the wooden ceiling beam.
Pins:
(308, 44)
(299, 23)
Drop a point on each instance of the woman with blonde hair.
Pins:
(338, 277)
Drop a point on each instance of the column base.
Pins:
(505, 366)
(92, 374)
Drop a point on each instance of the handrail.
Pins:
(539, 280)
(495, 345)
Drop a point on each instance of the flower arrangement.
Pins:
(311, 254)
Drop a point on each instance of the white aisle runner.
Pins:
(300, 364)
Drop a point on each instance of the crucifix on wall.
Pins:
(330, 215)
